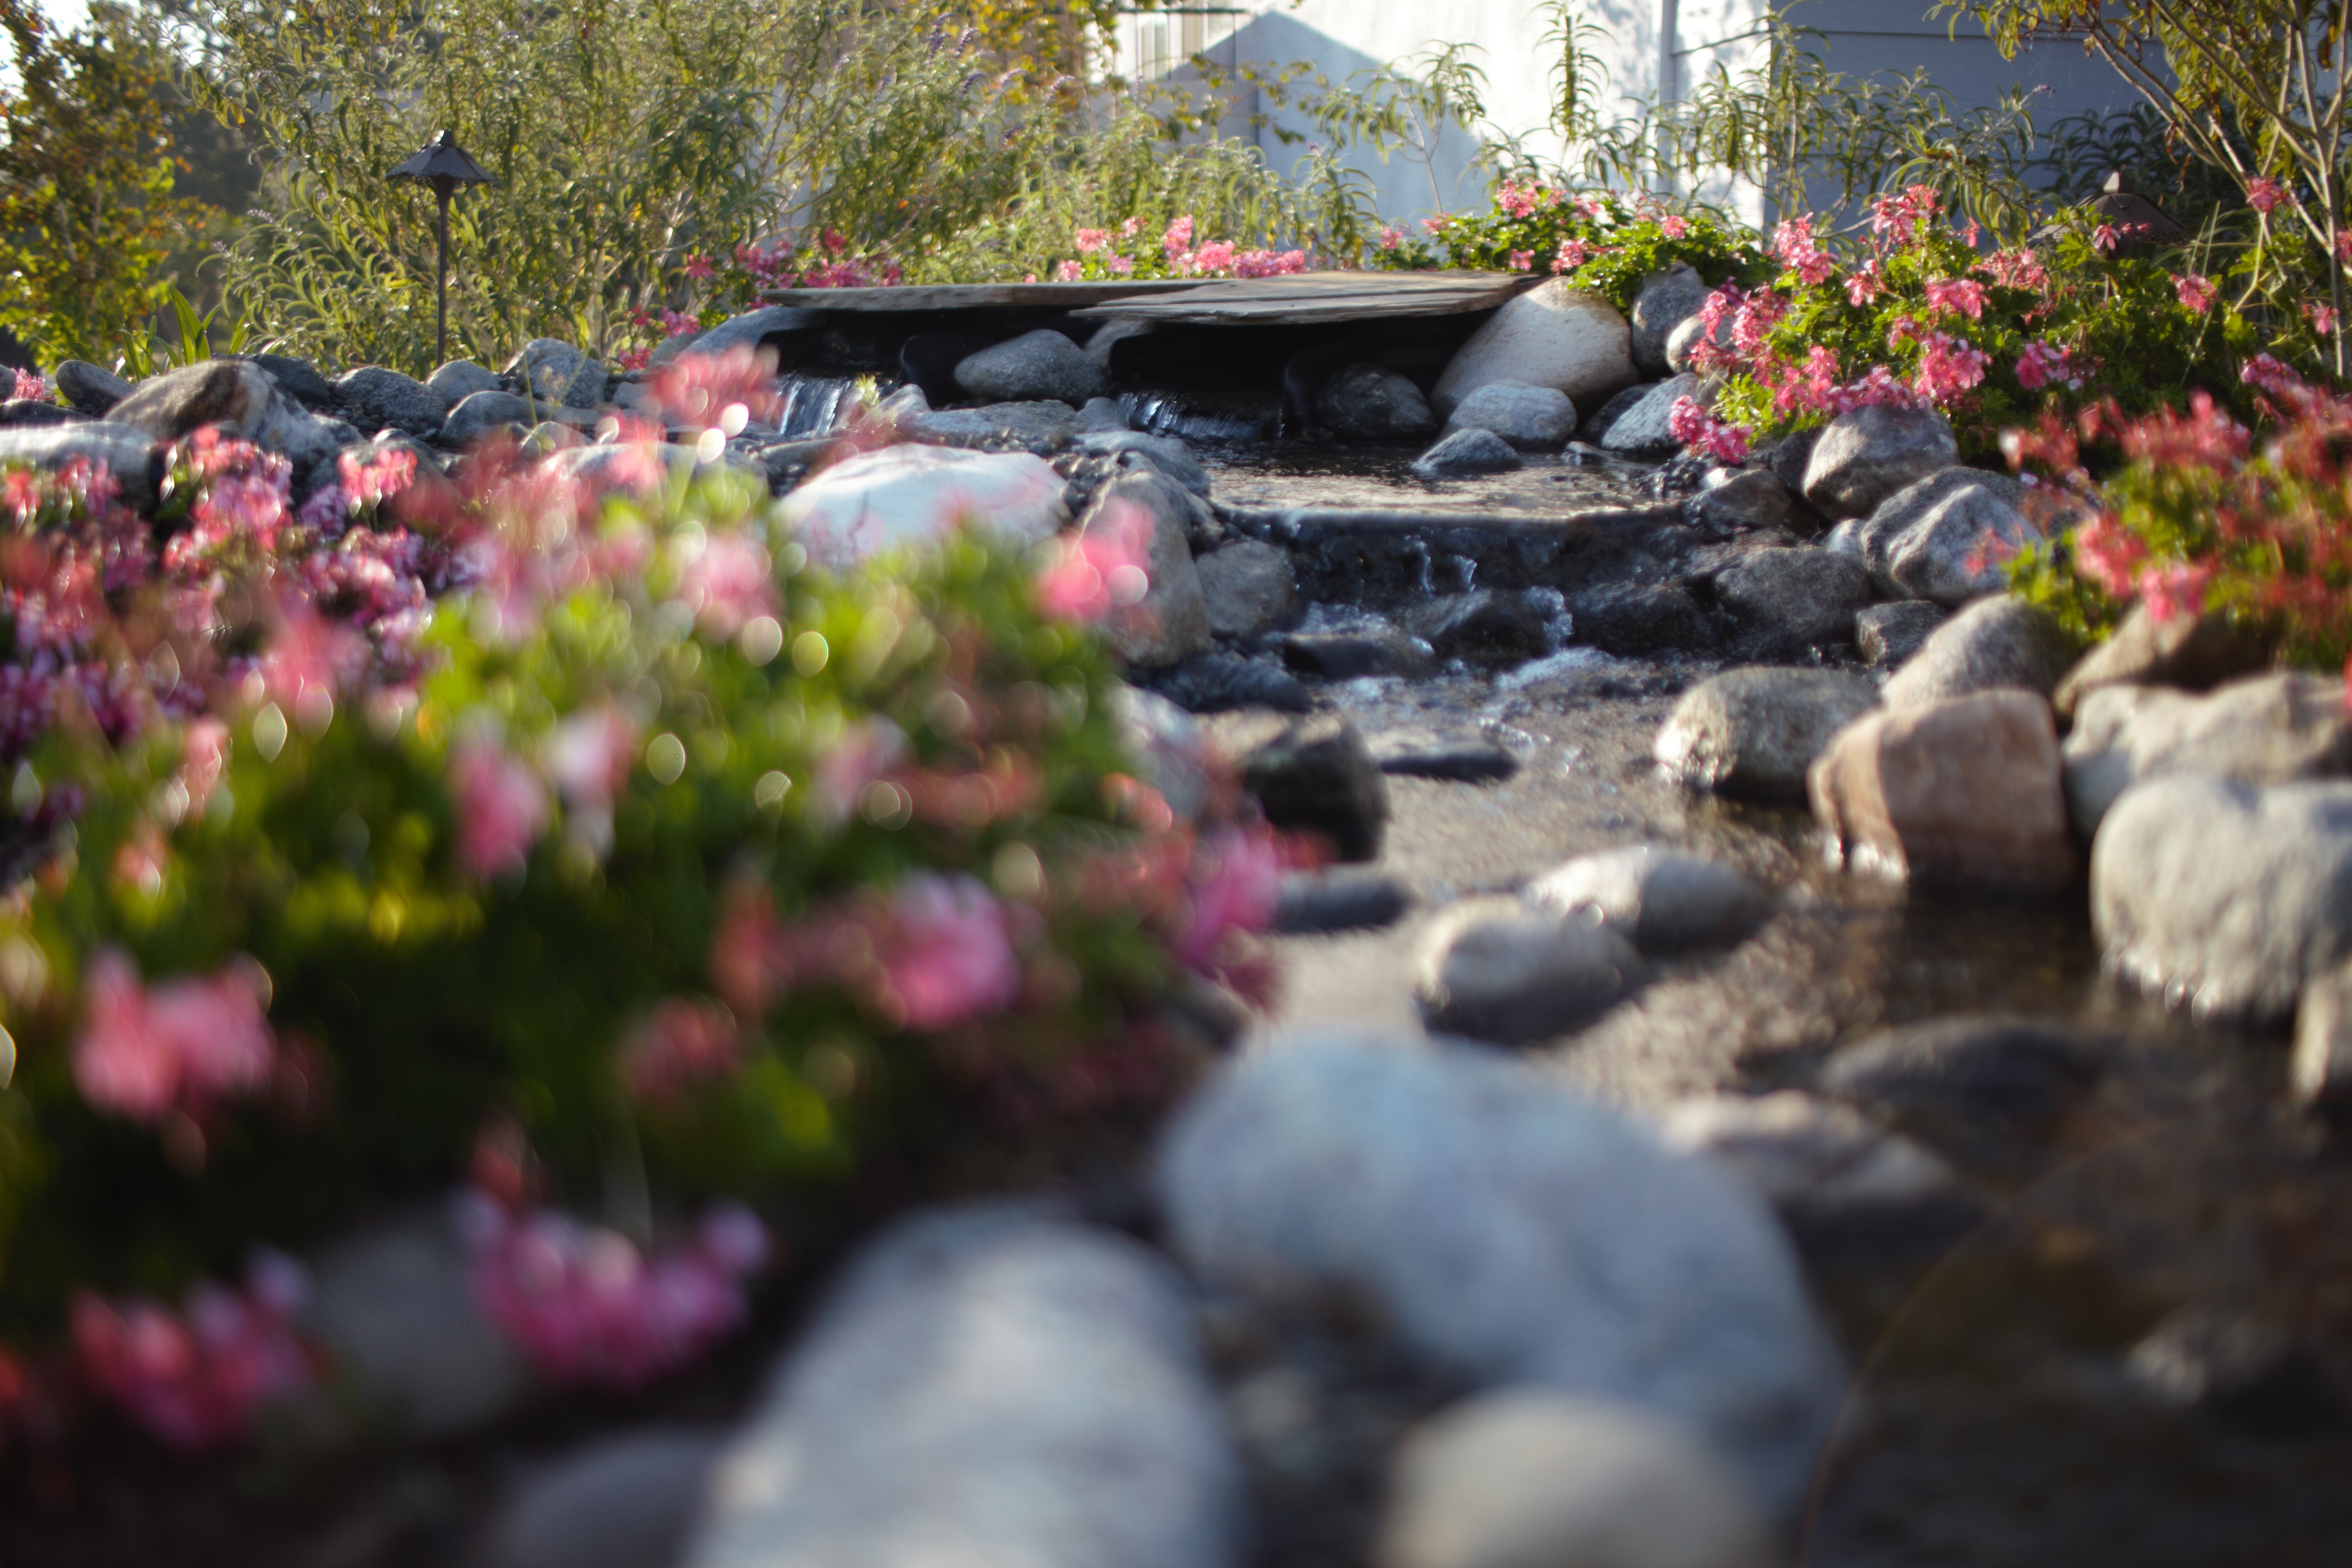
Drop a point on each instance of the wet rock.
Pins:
(1890, 633)
(1782, 604)
(2321, 1072)
(1835, 1176)
(1632, 619)
(1219, 682)
(1553, 335)
(299, 380)
(20, 412)
(1754, 731)
(1311, 774)
(1370, 403)
(1485, 626)
(93, 391)
(1947, 537)
(754, 330)
(1458, 756)
(1669, 297)
(1102, 415)
(2238, 1368)
(544, 367)
(482, 413)
(1467, 452)
(379, 399)
(238, 396)
(1350, 656)
(2227, 896)
(1036, 365)
(1682, 344)
(1343, 898)
(1965, 790)
(618, 1503)
(1970, 1083)
(1171, 623)
(2268, 729)
(587, 386)
(1597, 423)
(1493, 969)
(1735, 499)
(1531, 418)
(1999, 645)
(1532, 1478)
(2197, 653)
(1640, 431)
(1507, 1230)
(459, 379)
(986, 1388)
(1660, 900)
(1168, 453)
(395, 1311)
(1866, 455)
(1250, 587)
(915, 494)
(128, 453)
(1685, 474)
(1043, 428)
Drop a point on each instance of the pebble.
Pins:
(1531, 418)
(1782, 604)
(1961, 791)
(1505, 1229)
(1948, 537)
(1640, 430)
(1532, 1478)
(1336, 899)
(2266, 729)
(1250, 588)
(1553, 335)
(915, 494)
(1668, 297)
(2225, 897)
(1754, 731)
(1888, 635)
(1364, 402)
(617, 1503)
(1171, 623)
(1660, 900)
(1977, 1083)
(1463, 756)
(986, 1386)
(1836, 1177)
(2196, 652)
(1866, 455)
(1311, 772)
(2000, 644)
(1467, 452)
(1493, 969)
(1039, 364)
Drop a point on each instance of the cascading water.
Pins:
(1160, 413)
(813, 405)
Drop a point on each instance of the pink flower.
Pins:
(729, 581)
(1757, 315)
(1948, 367)
(1216, 257)
(2196, 292)
(2277, 379)
(2042, 365)
(2015, 269)
(500, 805)
(1701, 431)
(1517, 200)
(2322, 317)
(1522, 259)
(379, 475)
(1069, 272)
(187, 1044)
(2108, 554)
(308, 660)
(1090, 240)
(683, 1043)
(2263, 193)
(1108, 566)
(1866, 284)
(1673, 228)
(2105, 237)
(1904, 216)
(2344, 246)
(697, 389)
(945, 954)
(1800, 252)
(194, 1379)
(1963, 295)
(1572, 253)
(2174, 589)
(1121, 266)
(1810, 389)
(1236, 878)
(1437, 224)
(30, 388)
(698, 268)
(1390, 237)
(1179, 236)
(588, 757)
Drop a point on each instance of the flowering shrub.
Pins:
(585, 804)
(1124, 252)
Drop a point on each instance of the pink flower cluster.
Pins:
(1698, 428)
(1948, 368)
(2196, 292)
(1958, 296)
(1524, 201)
(1796, 248)
(185, 1045)
(682, 1043)
(500, 804)
(2015, 269)
(1108, 566)
(587, 1306)
(2044, 363)
(1903, 216)
(30, 388)
(2265, 193)
(1221, 258)
(194, 1378)
(1572, 253)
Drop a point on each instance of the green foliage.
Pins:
(1608, 243)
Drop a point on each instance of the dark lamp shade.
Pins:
(442, 159)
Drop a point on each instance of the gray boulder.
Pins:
(1467, 452)
(1134, 449)
(1754, 731)
(1669, 297)
(1733, 498)
(480, 414)
(1596, 425)
(301, 379)
(1044, 425)
(459, 379)
(380, 399)
(1866, 455)
(93, 391)
(1531, 418)
(985, 1387)
(1947, 537)
(1952, 1078)
(241, 399)
(1834, 1175)
(1036, 365)
(1991, 645)
(1378, 649)
(2226, 897)
(1485, 626)
(1507, 1230)
(1682, 344)
(752, 330)
(587, 386)
(1103, 415)
(1554, 335)
(1635, 619)
(1250, 588)
(1493, 969)
(1640, 430)
(2267, 729)
(2194, 652)
(1311, 772)
(1888, 635)
(617, 1503)
(1782, 604)
(1370, 403)
(125, 452)
(544, 367)
(1171, 622)
(1660, 900)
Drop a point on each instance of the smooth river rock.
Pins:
(1948, 537)
(1835, 1176)
(1866, 455)
(1553, 335)
(1371, 403)
(1466, 452)
(1250, 587)
(616, 1503)
(2266, 729)
(1311, 772)
(375, 398)
(1668, 297)
(1531, 418)
(2001, 644)
(1495, 969)
(1754, 731)
(1658, 899)
(1642, 430)
(2196, 652)
(1782, 604)
(917, 494)
(1039, 364)
(1170, 623)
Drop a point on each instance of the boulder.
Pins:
(1100, 414)
(1508, 1231)
(2224, 896)
(1635, 619)
(299, 380)
(1596, 425)
(1467, 452)
(2195, 652)
(459, 379)
(484, 412)
(1493, 969)
(1036, 365)
(1640, 430)
(1835, 1176)
(616, 1503)
(1866, 455)
(1532, 1478)
(1965, 790)
(915, 495)
(1888, 635)
(2239, 1367)
(126, 453)
(1310, 773)
(1789, 455)
(1553, 335)
(238, 396)
(1168, 748)
(754, 330)
(1973, 1083)
(1754, 731)
(1730, 499)
(1660, 900)
(2267, 729)
(1997, 645)
(1042, 427)
(1531, 418)
(93, 391)
(543, 368)
(1948, 537)
(1485, 626)
(1782, 604)
(1171, 622)
(18, 413)
(587, 386)
(1682, 344)
(377, 399)
(1668, 297)
(1250, 588)
(1364, 402)
(986, 1386)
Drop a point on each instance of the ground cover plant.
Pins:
(570, 839)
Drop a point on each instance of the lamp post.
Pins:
(444, 165)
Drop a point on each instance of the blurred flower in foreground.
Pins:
(1088, 574)
(187, 1044)
(194, 1378)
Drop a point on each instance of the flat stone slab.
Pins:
(1298, 299)
(978, 296)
